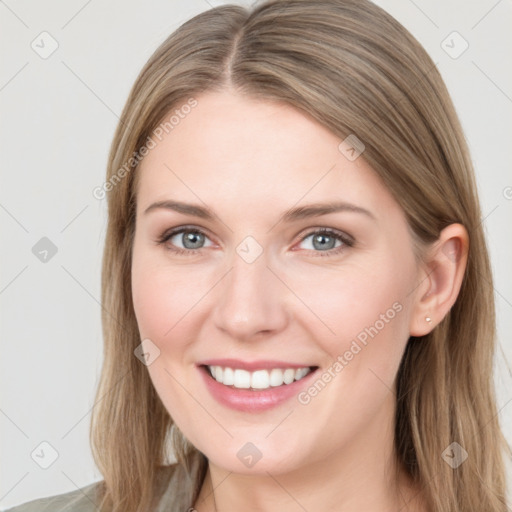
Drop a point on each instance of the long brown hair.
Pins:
(356, 70)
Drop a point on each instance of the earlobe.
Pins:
(440, 279)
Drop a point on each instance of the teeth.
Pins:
(259, 379)
(242, 379)
(276, 377)
(289, 376)
(301, 372)
(228, 378)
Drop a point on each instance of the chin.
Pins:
(254, 457)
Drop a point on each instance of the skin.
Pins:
(249, 161)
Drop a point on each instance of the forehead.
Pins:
(234, 150)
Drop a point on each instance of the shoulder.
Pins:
(176, 485)
(79, 500)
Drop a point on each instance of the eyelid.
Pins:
(178, 229)
(344, 236)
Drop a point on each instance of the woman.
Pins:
(296, 285)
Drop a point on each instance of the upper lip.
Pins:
(252, 365)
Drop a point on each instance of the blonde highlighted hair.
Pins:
(356, 70)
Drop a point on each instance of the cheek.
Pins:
(163, 298)
(164, 302)
(343, 304)
(368, 312)
(367, 309)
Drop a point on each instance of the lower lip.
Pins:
(247, 400)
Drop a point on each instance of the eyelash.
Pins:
(347, 240)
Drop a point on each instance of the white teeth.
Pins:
(276, 377)
(289, 376)
(301, 372)
(259, 379)
(229, 377)
(242, 379)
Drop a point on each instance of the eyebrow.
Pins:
(293, 214)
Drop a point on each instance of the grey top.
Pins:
(177, 495)
(80, 500)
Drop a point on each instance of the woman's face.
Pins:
(254, 287)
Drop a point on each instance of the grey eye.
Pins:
(189, 238)
(322, 241)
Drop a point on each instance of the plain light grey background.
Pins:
(58, 115)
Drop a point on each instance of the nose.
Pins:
(251, 300)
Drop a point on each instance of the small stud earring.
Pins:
(428, 319)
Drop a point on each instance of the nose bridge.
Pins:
(251, 297)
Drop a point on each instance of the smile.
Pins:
(254, 386)
(259, 379)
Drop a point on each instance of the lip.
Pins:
(246, 400)
(252, 366)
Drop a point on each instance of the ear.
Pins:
(440, 279)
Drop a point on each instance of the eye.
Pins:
(192, 240)
(324, 241)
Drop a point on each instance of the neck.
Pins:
(360, 476)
